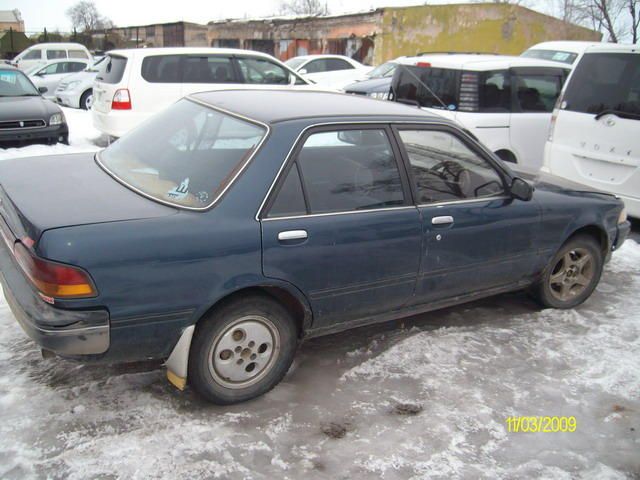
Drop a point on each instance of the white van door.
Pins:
(596, 138)
(535, 92)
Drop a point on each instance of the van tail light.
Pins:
(423, 64)
(469, 94)
(121, 100)
(52, 279)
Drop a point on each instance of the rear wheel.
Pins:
(242, 350)
(572, 275)
(86, 101)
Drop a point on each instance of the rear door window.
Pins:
(537, 93)
(429, 87)
(338, 64)
(208, 69)
(262, 71)
(494, 92)
(78, 54)
(605, 81)
(162, 68)
(55, 54)
(348, 170)
(33, 55)
(290, 198)
(112, 69)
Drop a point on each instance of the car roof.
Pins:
(613, 48)
(319, 55)
(480, 62)
(57, 45)
(566, 46)
(6, 66)
(143, 52)
(273, 106)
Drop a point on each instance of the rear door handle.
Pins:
(292, 235)
(445, 220)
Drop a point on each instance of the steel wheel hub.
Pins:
(572, 274)
(244, 352)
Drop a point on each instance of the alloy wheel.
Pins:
(572, 274)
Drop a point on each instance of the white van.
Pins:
(132, 85)
(506, 102)
(595, 132)
(43, 53)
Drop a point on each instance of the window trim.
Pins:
(470, 144)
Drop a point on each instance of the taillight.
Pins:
(423, 64)
(121, 100)
(469, 95)
(54, 279)
(554, 116)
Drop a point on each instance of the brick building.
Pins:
(11, 20)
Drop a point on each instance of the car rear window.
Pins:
(605, 81)
(112, 70)
(185, 156)
(429, 87)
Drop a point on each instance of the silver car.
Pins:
(76, 90)
(51, 74)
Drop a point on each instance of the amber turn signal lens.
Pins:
(54, 279)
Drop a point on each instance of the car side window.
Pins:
(262, 71)
(51, 69)
(494, 92)
(161, 69)
(347, 170)
(316, 66)
(33, 55)
(537, 93)
(208, 69)
(445, 169)
(56, 54)
(334, 64)
(78, 54)
(290, 198)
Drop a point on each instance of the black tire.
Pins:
(207, 337)
(83, 99)
(546, 292)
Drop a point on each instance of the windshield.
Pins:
(14, 83)
(553, 55)
(186, 156)
(294, 63)
(384, 70)
(605, 81)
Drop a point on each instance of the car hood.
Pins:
(372, 85)
(546, 181)
(42, 193)
(26, 108)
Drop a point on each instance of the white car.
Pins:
(568, 52)
(330, 71)
(506, 102)
(43, 53)
(76, 91)
(595, 132)
(51, 74)
(132, 85)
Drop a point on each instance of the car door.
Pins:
(535, 92)
(48, 77)
(339, 225)
(476, 236)
(204, 72)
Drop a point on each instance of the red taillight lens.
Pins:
(423, 64)
(54, 279)
(121, 100)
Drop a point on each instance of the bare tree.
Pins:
(634, 11)
(303, 7)
(84, 16)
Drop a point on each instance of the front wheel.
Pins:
(572, 275)
(242, 350)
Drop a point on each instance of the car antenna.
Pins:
(425, 86)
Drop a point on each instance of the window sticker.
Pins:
(180, 191)
(8, 77)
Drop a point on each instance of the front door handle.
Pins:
(292, 235)
(445, 220)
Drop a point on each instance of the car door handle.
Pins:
(292, 235)
(445, 220)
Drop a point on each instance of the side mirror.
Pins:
(521, 190)
(43, 89)
(302, 71)
(40, 74)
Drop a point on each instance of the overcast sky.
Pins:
(38, 14)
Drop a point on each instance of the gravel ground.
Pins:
(426, 397)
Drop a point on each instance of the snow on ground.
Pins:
(82, 138)
(426, 397)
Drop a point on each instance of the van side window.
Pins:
(537, 93)
(33, 55)
(78, 54)
(262, 71)
(494, 92)
(208, 69)
(290, 199)
(445, 169)
(429, 87)
(349, 170)
(55, 54)
(161, 69)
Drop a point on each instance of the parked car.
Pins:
(595, 132)
(51, 74)
(134, 84)
(45, 52)
(377, 82)
(76, 90)
(26, 117)
(568, 52)
(506, 102)
(330, 71)
(235, 223)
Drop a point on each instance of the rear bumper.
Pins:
(40, 135)
(65, 332)
(117, 122)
